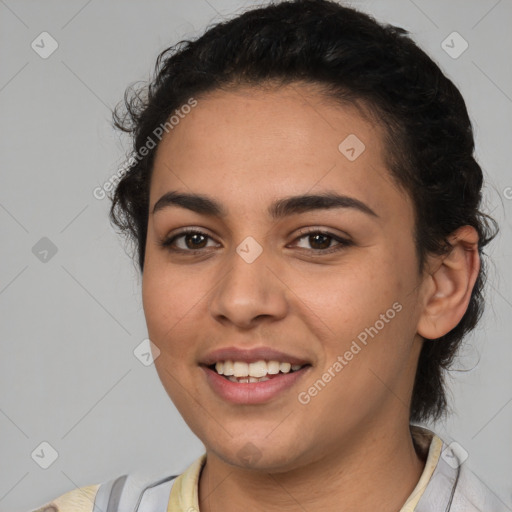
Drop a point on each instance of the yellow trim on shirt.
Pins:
(434, 453)
(79, 500)
(185, 491)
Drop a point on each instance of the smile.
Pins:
(260, 371)
(252, 383)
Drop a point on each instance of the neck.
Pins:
(377, 470)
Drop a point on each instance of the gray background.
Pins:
(68, 375)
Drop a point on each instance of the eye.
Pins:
(320, 241)
(193, 240)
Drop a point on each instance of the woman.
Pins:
(305, 204)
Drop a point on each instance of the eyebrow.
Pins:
(280, 208)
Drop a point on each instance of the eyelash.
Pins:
(343, 242)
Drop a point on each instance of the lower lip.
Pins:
(251, 392)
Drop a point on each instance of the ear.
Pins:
(449, 284)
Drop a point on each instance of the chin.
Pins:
(259, 453)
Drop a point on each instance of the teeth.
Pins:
(273, 367)
(241, 369)
(246, 380)
(238, 371)
(284, 367)
(229, 368)
(258, 369)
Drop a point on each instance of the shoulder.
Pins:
(452, 485)
(135, 491)
(78, 500)
(472, 494)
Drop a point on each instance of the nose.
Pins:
(249, 293)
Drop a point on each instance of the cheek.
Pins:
(373, 304)
(170, 302)
(358, 295)
(369, 345)
(169, 305)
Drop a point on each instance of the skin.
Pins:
(246, 148)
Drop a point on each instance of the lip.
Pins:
(252, 393)
(251, 356)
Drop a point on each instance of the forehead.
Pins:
(278, 141)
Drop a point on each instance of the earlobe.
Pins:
(452, 278)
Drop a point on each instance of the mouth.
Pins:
(241, 372)
(251, 377)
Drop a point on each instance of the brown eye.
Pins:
(194, 240)
(186, 241)
(320, 242)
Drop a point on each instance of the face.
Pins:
(318, 299)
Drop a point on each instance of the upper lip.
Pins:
(250, 355)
